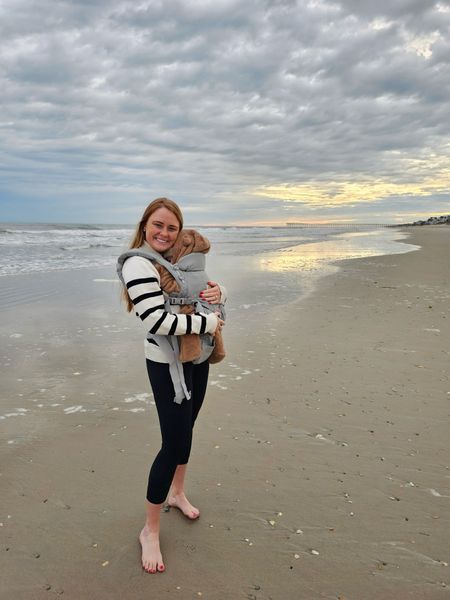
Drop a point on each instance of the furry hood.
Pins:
(188, 241)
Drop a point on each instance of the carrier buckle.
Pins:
(181, 301)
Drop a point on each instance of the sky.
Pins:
(244, 112)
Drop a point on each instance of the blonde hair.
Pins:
(139, 235)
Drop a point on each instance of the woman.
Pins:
(157, 231)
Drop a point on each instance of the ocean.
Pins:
(40, 248)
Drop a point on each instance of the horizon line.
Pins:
(281, 225)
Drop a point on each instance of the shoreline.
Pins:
(322, 445)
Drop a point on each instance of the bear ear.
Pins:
(186, 239)
(201, 242)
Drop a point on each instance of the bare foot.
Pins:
(180, 501)
(152, 560)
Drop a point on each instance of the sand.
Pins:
(320, 463)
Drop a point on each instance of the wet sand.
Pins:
(320, 462)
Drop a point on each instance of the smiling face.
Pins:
(161, 230)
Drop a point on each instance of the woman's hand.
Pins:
(212, 294)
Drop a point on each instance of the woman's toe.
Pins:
(150, 567)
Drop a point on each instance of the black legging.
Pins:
(176, 423)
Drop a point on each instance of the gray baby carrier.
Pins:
(190, 274)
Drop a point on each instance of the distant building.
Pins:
(442, 220)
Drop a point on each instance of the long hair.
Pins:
(139, 235)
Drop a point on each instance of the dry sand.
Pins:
(320, 463)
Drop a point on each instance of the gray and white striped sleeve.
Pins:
(143, 286)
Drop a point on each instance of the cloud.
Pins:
(108, 104)
(425, 177)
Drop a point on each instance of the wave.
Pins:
(51, 228)
(87, 246)
(73, 226)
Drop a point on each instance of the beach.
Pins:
(320, 462)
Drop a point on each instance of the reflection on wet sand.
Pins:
(314, 256)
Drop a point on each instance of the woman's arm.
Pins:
(143, 286)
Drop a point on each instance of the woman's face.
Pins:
(161, 230)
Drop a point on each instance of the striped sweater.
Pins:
(143, 286)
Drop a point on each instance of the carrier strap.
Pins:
(148, 253)
(177, 373)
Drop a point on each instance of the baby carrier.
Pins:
(190, 274)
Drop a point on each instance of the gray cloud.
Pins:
(107, 104)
